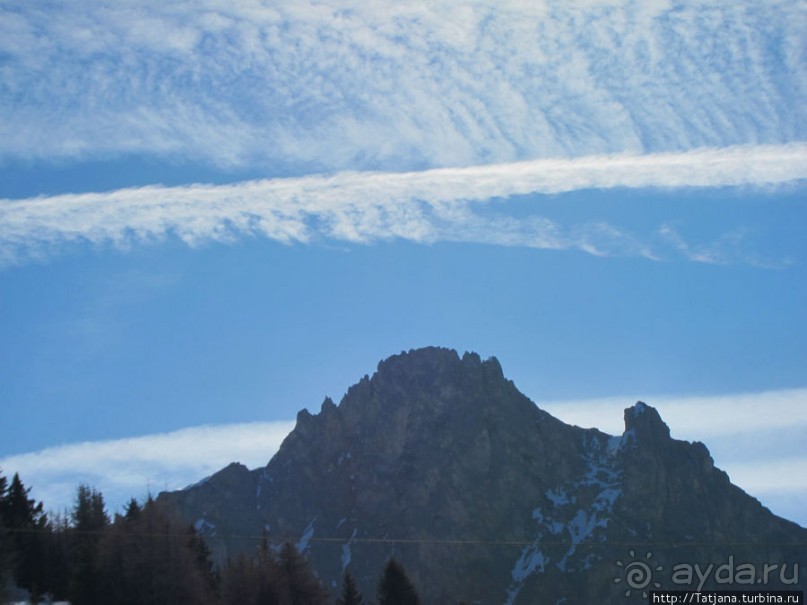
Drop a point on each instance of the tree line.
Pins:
(148, 556)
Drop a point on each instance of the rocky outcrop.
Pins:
(440, 461)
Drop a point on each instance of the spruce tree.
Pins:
(350, 595)
(149, 557)
(26, 526)
(302, 587)
(240, 582)
(395, 588)
(5, 541)
(89, 520)
(256, 580)
(202, 560)
(133, 510)
(57, 557)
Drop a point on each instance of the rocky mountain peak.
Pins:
(439, 460)
(428, 386)
(435, 363)
(431, 373)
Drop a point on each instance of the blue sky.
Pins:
(214, 216)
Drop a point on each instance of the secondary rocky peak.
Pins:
(644, 424)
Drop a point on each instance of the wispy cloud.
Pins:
(693, 417)
(448, 204)
(348, 84)
(126, 468)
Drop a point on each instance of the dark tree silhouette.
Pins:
(26, 527)
(271, 579)
(395, 588)
(149, 557)
(250, 581)
(350, 595)
(57, 557)
(5, 541)
(299, 584)
(89, 520)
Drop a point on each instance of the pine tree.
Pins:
(350, 595)
(202, 560)
(5, 541)
(89, 520)
(301, 586)
(251, 580)
(149, 557)
(395, 588)
(133, 510)
(57, 557)
(269, 579)
(26, 525)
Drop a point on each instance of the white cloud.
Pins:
(695, 417)
(448, 204)
(339, 84)
(125, 468)
(778, 476)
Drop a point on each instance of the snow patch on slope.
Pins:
(203, 526)
(346, 553)
(305, 539)
(576, 513)
(532, 559)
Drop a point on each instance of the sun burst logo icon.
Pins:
(638, 574)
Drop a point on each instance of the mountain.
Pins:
(440, 461)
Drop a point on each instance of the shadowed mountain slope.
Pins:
(440, 461)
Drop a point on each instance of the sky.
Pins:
(213, 215)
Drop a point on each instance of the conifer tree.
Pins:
(57, 557)
(5, 541)
(350, 594)
(237, 583)
(132, 512)
(26, 525)
(299, 584)
(149, 557)
(89, 520)
(251, 581)
(202, 560)
(395, 588)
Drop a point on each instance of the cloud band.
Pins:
(361, 207)
(126, 468)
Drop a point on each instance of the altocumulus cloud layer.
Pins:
(762, 454)
(419, 112)
(447, 204)
(364, 84)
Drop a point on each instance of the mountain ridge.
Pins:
(440, 461)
